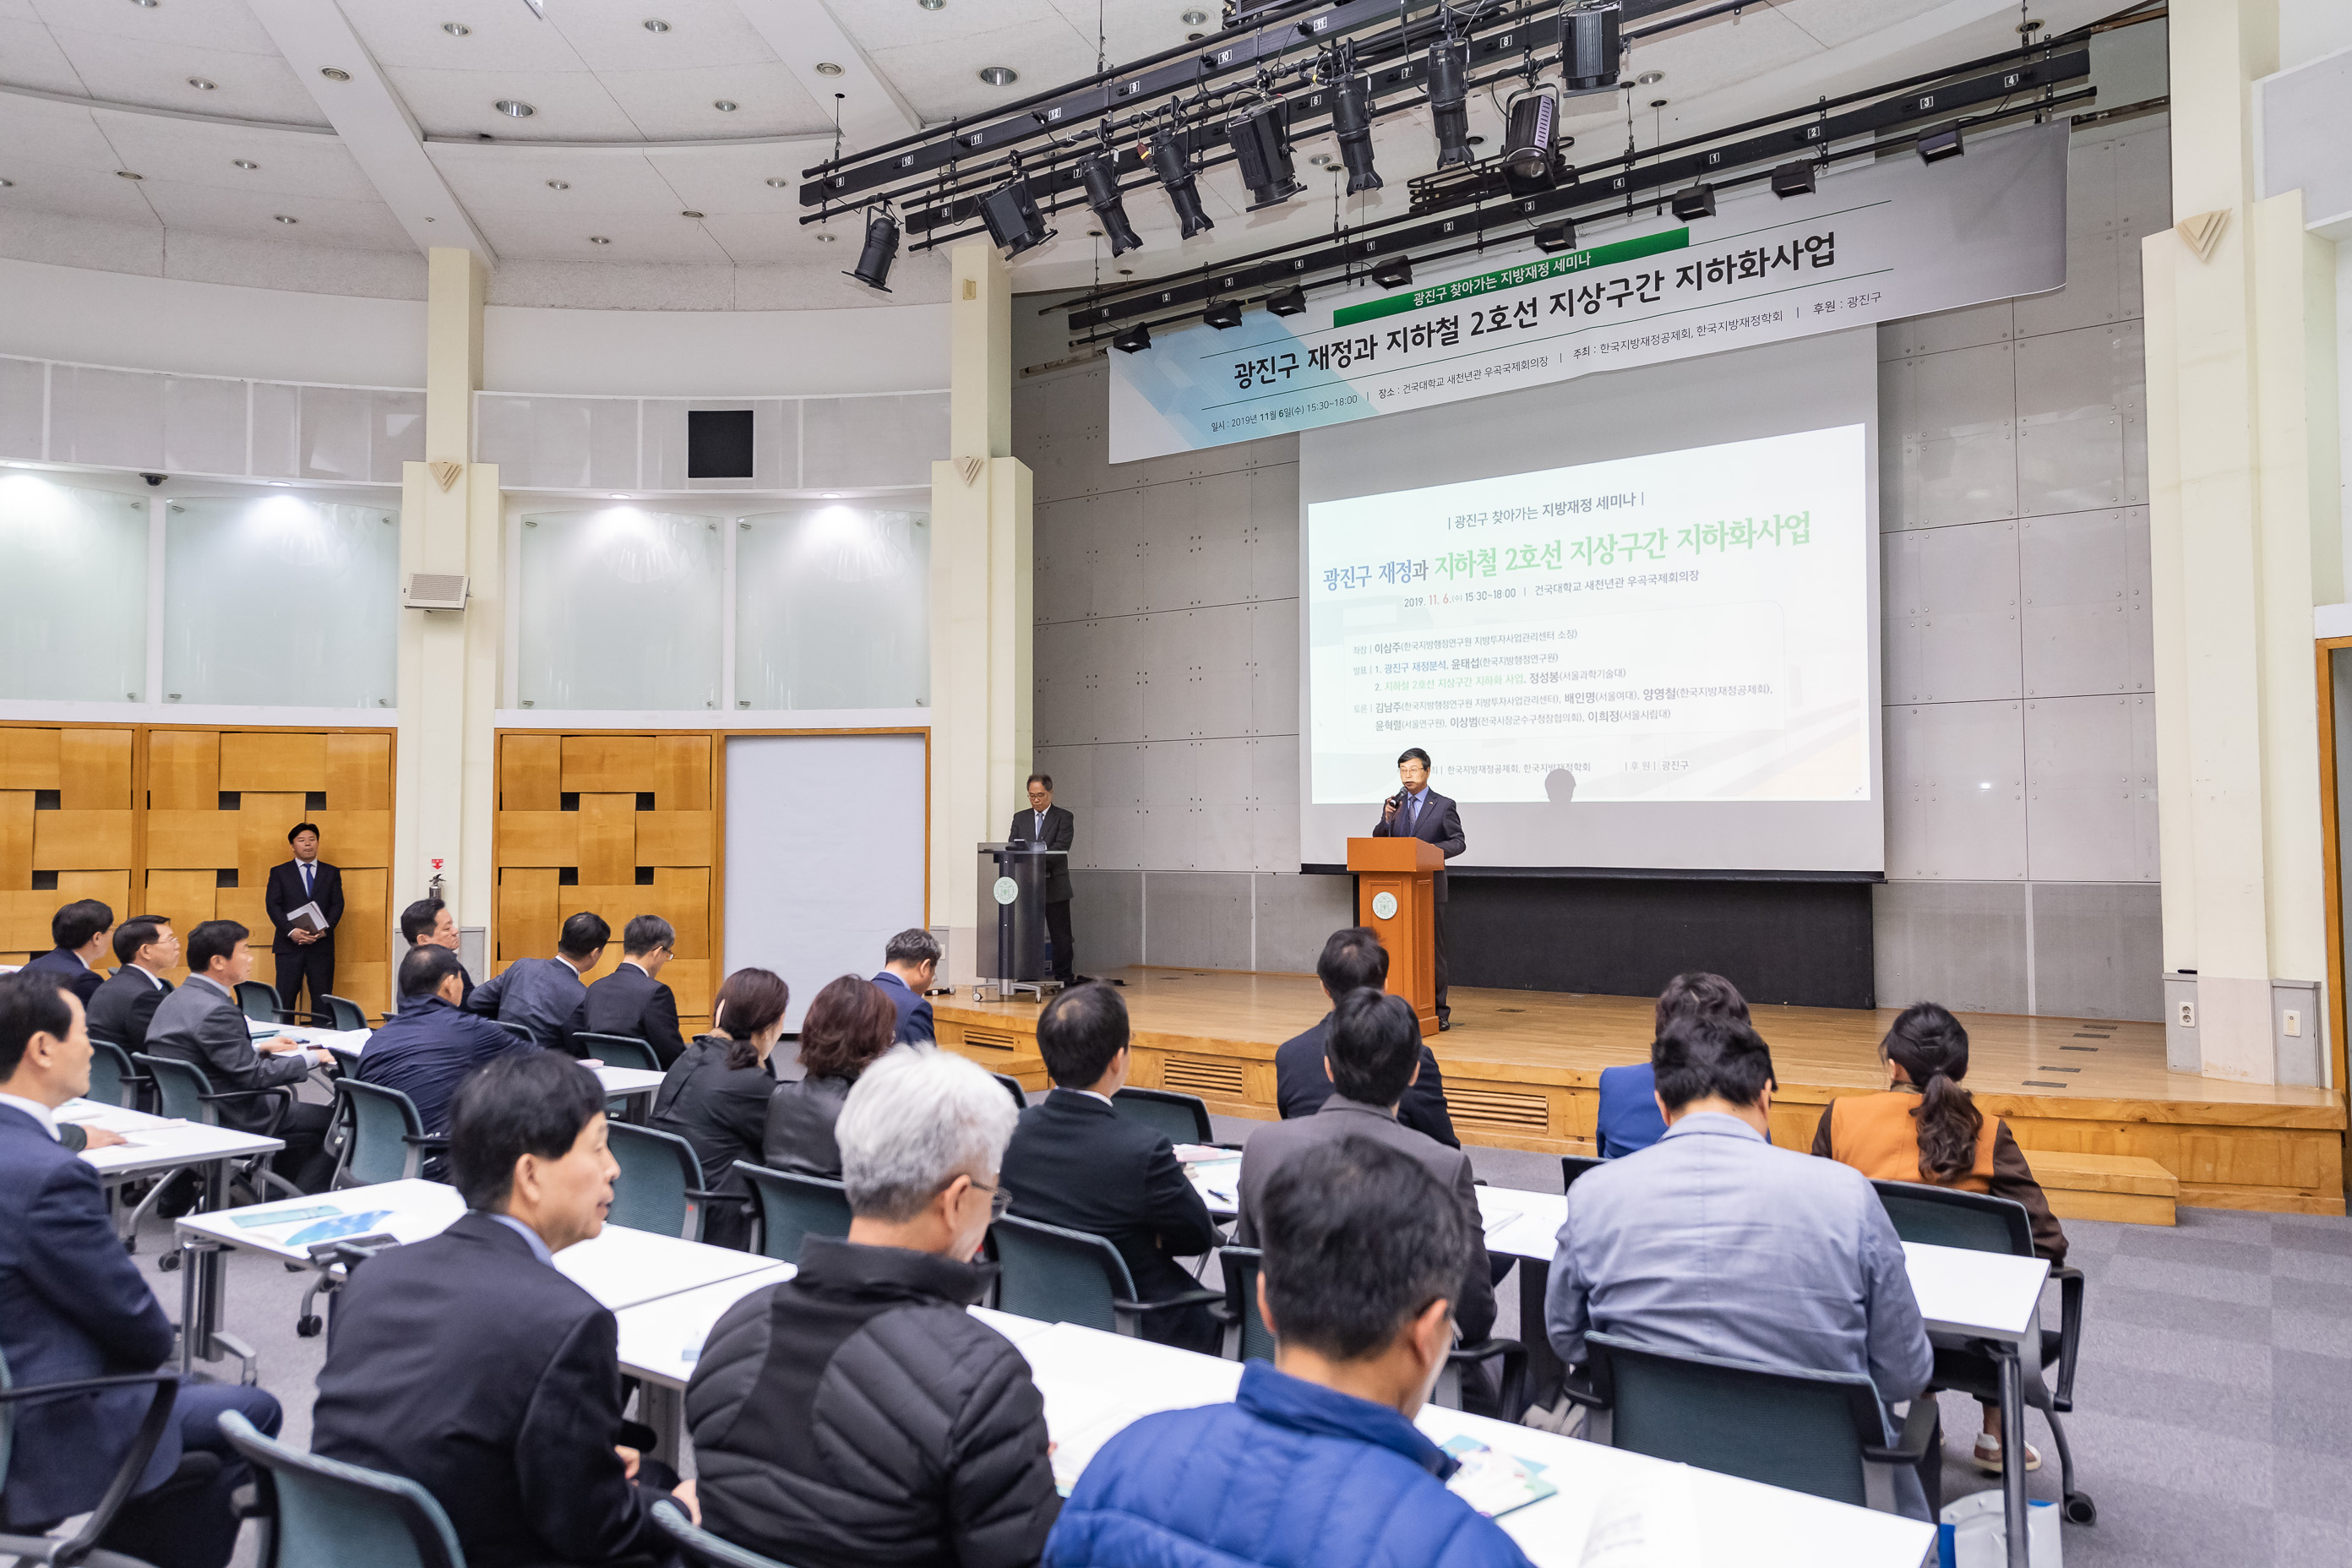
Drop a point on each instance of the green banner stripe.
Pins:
(1516, 277)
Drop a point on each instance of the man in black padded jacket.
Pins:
(855, 1416)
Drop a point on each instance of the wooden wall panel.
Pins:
(248, 906)
(24, 921)
(677, 837)
(184, 770)
(358, 773)
(538, 838)
(531, 773)
(111, 889)
(15, 838)
(681, 895)
(262, 821)
(80, 840)
(185, 899)
(682, 772)
(690, 981)
(352, 838)
(527, 917)
(608, 764)
(94, 770)
(369, 985)
(189, 840)
(608, 839)
(268, 760)
(364, 936)
(28, 758)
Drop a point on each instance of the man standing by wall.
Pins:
(1053, 826)
(304, 953)
(1417, 811)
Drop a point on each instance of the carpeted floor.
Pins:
(2213, 1421)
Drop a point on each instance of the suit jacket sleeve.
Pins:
(927, 1026)
(75, 1259)
(331, 899)
(1423, 1107)
(1063, 829)
(1001, 1502)
(1476, 1311)
(73, 1137)
(576, 1496)
(234, 1062)
(1900, 1359)
(1567, 1309)
(1452, 842)
(143, 1014)
(2013, 1178)
(486, 996)
(660, 1023)
(1177, 1215)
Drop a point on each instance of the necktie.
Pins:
(1414, 827)
(308, 866)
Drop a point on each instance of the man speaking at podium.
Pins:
(1053, 826)
(1417, 811)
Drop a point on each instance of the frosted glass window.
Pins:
(833, 608)
(620, 607)
(281, 600)
(73, 601)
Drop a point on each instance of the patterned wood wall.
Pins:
(620, 824)
(193, 819)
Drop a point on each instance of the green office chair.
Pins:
(1822, 1433)
(387, 1140)
(793, 1206)
(1068, 1276)
(80, 1548)
(260, 1002)
(183, 1091)
(698, 1545)
(1574, 1165)
(327, 1514)
(660, 1187)
(618, 1051)
(1180, 1118)
(1978, 1222)
(344, 1014)
(1012, 1086)
(113, 1080)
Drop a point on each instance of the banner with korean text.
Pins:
(1876, 243)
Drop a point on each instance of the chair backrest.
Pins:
(794, 1206)
(1572, 1166)
(516, 1030)
(1946, 1216)
(1012, 1086)
(1058, 1275)
(700, 1546)
(1240, 1265)
(1803, 1431)
(382, 1120)
(617, 1051)
(345, 1013)
(347, 1060)
(1183, 1117)
(259, 1001)
(112, 1076)
(657, 1169)
(180, 1088)
(333, 1515)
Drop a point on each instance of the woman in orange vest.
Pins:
(1925, 1128)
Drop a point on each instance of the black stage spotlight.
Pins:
(1289, 303)
(1261, 138)
(1102, 196)
(1559, 236)
(1793, 179)
(1351, 118)
(881, 249)
(1223, 313)
(1528, 145)
(1174, 173)
(1449, 99)
(1397, 274)
(1135, 340)
(1937, 145)
(1588, 48)
(1013, 218)
(1696, 202)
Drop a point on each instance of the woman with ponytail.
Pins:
(1925, 1128)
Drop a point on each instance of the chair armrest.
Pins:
(1187, 1299)
(710, 1194)
(1578, 1393)
(425, 1139)
(134, 1460)
(278, 1089)
(2070, 1335)
(1511, 1395)
(85, 1386)
(1911, 1446)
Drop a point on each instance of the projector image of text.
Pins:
(1688, 625)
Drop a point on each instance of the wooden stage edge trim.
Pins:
(1522, 1071)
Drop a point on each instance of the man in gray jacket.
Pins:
(547, 995)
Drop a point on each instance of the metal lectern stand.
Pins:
(1011, 920)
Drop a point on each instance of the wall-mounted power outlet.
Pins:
(2188, 1014)
(2291, 1022)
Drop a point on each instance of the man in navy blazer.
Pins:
(631, 1001)
(1354, 960)
(73, 1306)
(1417, 811)
(80, 929)
(125, 1005)
(547, 995)
(908, 965)
(304, 956)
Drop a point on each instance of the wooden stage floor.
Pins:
(1522, 1070)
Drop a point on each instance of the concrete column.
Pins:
(446, 768)
(982, 737)
(2242, 468)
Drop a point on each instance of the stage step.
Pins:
(2125, 1187)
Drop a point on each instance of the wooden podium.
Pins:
(1394, 874)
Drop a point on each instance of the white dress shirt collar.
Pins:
(539, 1248)
(34, 1108)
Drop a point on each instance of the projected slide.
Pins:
(1688, 625)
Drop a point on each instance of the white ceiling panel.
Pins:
(902, 25)
(30, 55)
(944, 83)
(506, 176)
(572, 106)
(406, 34)
(209, 24)
(611, 36)
(291, 163)
(635, 236)
(735, 179)
(248, 84)
(676, 105)
(44, 186)
(63, 135)
(361, 224)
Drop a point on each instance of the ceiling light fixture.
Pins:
(6, 183)
(1793, 179)
(333, 74)
(1534, 128)
(1260, 136)
(1649, 78)
(826, 236)
(932, 5)
(284, 219)
(656, 25)
(1102, 197)
(559, 185)
(690, 213)
(827, 67)
(1173, 169)
(1351, 119)
(881, 248)
(1937, 145)
(1559, 236)
(999, 76)
(617, 497)
(1289, 303)
(777, 183)
(1194, 18)
(514, 109)
(1694, 203)
(1449, 99)
(146, 5)
(723, 105)
(598, 239)
(1135, 340)
(201, 85)
(1011, 216)
(1591, 52)
(1397, 274)
(126, 175)
(455, 29)
(1223, 313)
(245, 164)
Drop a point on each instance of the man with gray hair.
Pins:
(908, 965)
(857, 1413)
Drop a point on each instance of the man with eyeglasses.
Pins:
(857, 1413)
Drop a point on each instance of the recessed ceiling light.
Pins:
(824, 236)
(1194, 18)
(932, 5)
(146, 5)
(126, 175)
(201, 85)
(332, 74)
(656, 25)
(777, 182)
(559, 185)
(6, 183)
(723, 105)
(1650, 79)
(999, 76)
(514, 107)
(245, 163)
(690, 213)
(827, 67)
(283, 218)
(455, 29)
(598, 239)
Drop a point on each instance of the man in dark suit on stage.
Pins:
(908, 966)
(79, 931)
(1417, 811)
(1053, 826)
(632, 1000)
(147, 946)
(304, 954)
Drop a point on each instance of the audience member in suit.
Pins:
(430, 1046)
(632, 1000)
(910, 964)
(1925, 1128)
(73, 1306)
(1628, 1116)
(1417, 811)
(857, 1415)
(79, 929)
(544, 995)
(201, 1023)
(1374, 1052)
(1053, 826)
(1713, 1242)
(145, 946)
(469, 1364)
(305, 957)
(1077, 1162)
(716, 1095)
(847, 1028)
(428, 920)
(1354, 960)
(1364, 1251)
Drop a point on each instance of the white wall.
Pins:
(715, 353)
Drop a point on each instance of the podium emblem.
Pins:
(1007, 890)
(1384, 905)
